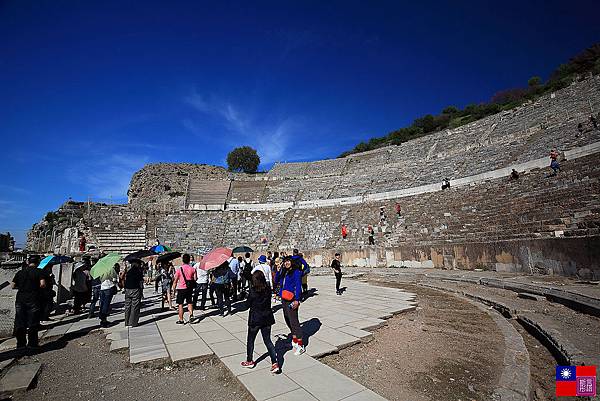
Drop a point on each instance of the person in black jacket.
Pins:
(260, 318)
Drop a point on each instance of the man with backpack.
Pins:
(246, 268)
(185, 283)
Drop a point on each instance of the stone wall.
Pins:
(164, 186)
(458, 228)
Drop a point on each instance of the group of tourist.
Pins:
(275, 276)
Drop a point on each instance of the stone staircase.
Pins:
(207, 192)
(121, 241)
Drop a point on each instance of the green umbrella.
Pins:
(105, 265)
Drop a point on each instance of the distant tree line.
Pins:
(582, 64)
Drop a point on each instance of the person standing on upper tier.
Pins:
(336, 265)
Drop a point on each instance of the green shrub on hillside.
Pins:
(584, 63)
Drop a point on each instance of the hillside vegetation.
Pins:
(586, 62)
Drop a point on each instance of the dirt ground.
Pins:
(447, 349)
(85, 370)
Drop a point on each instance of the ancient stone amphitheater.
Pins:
(532, 225)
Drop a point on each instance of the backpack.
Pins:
(189, 284)
(223, 278)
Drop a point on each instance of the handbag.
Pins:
(285, 294)
(189, 284)
(113, 290)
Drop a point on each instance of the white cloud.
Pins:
(108, 177)
(271, 140)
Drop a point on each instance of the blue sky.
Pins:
(93, 90)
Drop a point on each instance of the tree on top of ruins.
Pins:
(243, 159)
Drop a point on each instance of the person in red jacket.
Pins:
(344, 231)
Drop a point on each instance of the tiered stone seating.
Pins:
(192, 231)
(532, 207)
(246, 191)
(120, 241)
(207, 192)
(515, 136)
(287, 170)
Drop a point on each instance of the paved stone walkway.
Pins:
(329, 322)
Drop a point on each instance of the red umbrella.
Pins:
(215, 258)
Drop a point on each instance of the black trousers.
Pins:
(234, 288)
(265, 331)
(27, 323)
(338, 281)
(222, 291)
(79, 299)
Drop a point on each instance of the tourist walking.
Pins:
(201, 286)
(167, 272)
(290, 278)
(95, 283)
(336, 265)
(264, 268)
(234, 266)
(344, 231)
(108, 288)
(222, 281)
(79, 287)
(246, 268)
(261, 319)
(47, 294)
(133, 282)
(185, 283)
(398, 209)
(29, 283)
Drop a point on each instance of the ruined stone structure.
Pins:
(533, 224)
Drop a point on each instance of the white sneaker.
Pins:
(299, 350)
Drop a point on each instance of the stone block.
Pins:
(365, 395)
(178, 336)
(216, 336)
(193, 349)
(119, 345)
(227, 348)
(148, 354)
(263, 385)
(326, 383)
(19, 377)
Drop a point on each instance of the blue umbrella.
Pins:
(54, 260)
(160, 248)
